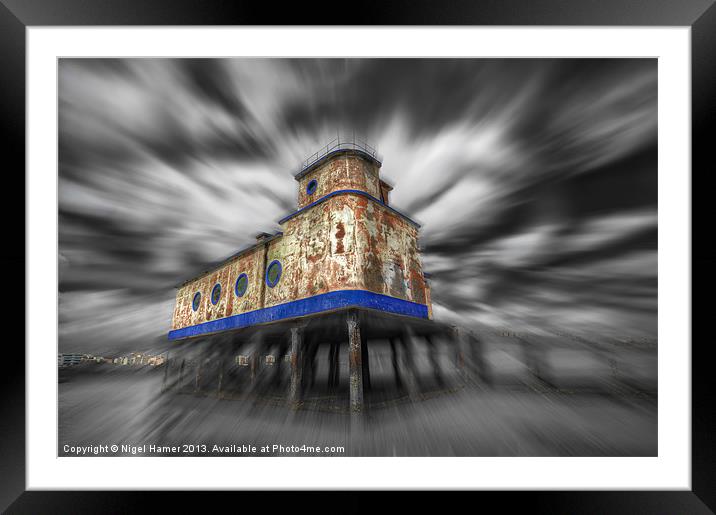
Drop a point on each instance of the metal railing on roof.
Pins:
(340, 143)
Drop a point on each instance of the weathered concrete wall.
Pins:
(345, 171)
(251, 264)
(347, 242)
(389, 260)
(318, 252)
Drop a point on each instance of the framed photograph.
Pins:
(434, 249)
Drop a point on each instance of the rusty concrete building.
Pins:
(343, 254)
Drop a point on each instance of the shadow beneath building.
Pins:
(357, 360)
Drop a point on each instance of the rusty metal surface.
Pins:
(355, 375)
(318, 252)
(229, 304)
(389, 259)
(348, 242)
(342, 172)
(294, 392)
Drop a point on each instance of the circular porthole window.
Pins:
(216, 293)
(242, 284)
(195, 301)
(312, 186)
(273, 273)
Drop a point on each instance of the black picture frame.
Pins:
(17, 15)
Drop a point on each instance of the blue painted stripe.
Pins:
(316, 304)
(348, 192)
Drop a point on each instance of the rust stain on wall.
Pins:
(340, 232)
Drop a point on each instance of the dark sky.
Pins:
(535, 180)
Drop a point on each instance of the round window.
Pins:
(242, 284)
(312, 187)
(216, 293)
(273, 273)
(195, 301)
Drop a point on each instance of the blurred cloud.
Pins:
(534, 179)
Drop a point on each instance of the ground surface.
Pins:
(122, 406)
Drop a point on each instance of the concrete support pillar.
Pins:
(278, 365)
(456, 338)
(535, 360)
(254, 351)
(181, 375)
(365, 359)
(221, 379)
(434, 363)
(253, 365)
(312, 363)
(294, 391)
(197, 381)
(408, 364)
(166, 374)
(355, 363)
(334, 365)
(479, 360)
(396, 364)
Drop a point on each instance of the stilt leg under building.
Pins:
(166, 374)
(198, 376)
(312, 363)
(408, 364)
(365, 360)
(181, 375)
(355, 367)
(536, 362)
(331, 370)
(253, 365)
(221, 378)
(294, 392)
(457, 338)
(434, 363)
(481, 368)
(334, 365)
(278, 365)
(396, 364)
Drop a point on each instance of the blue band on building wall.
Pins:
(316, 304)
(348, 192)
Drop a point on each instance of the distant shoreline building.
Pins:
(344, 247)
(66, 360)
